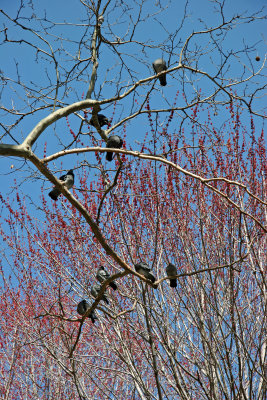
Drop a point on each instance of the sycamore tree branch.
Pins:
(80, 105)
(65, 111)
(224, 25)
(29, 155)
(203, 270)
(175, 166)
(53, 117)
(13, 150)
(95, 61)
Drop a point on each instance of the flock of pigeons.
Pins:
(102, 275)
(114, 141)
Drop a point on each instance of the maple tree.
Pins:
(191, 193)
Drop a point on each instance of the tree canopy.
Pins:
(158, 109)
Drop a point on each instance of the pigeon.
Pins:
(102, 120)
(159, 65)
(171, 270)
(82, 307)
(94, 292)
(68, 180)
(143, 269)
(115, 142)
(103, 275)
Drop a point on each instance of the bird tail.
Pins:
(151, 277)
(92, 317)
(113, 285)
(173, 282)
(109, 156)
(54, 194)
(163, 80)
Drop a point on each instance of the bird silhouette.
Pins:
(159, 65)
(67, 179)
(115, 142)
(94, 292)
(143, 269)
(82, 307)
(102, 275)
(102, 120)
(171, 270)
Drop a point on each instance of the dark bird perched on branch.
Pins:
(102, 275)
(82, 307)
(171, 271)
(115, 142)
(143, 269)
(102, 120)
(94, 292)
(67, 179)
(159, 65)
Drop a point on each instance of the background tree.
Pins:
(188, 188)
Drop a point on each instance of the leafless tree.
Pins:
(192, 191)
